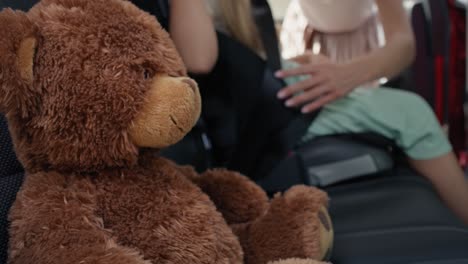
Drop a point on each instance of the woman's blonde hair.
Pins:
(237, 16)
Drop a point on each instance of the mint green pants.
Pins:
(401, 116)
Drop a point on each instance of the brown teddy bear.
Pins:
(91, 90)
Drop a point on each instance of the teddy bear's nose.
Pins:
(192, 84)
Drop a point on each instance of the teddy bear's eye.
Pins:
(147, 74)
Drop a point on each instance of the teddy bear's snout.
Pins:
(191, 83)
(172, 107)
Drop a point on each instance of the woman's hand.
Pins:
(328, 81)
(308, 57)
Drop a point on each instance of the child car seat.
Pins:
(457, 74)
(11, 178)
(434, 74)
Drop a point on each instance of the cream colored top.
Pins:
(337, 16)
(343, 29)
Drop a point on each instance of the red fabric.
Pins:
(457, 77)
(439, 87)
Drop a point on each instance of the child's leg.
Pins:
(449, 181)
(409, 121)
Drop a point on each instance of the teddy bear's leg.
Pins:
(296, 225)
(54, 224)
(238, 198)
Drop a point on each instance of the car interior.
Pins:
(382, 211)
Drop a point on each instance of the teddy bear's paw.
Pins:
(301, 194)
(237, 197)
(307, 208)
(297, 224)
(298, 261)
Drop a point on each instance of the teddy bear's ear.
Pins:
(17, 49)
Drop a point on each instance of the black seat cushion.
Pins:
(396, 217)
(11, 178)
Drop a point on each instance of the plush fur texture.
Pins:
(91, 91)
(296, 261)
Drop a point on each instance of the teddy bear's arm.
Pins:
(51, 223)
(238, 198)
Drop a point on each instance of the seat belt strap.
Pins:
(264, 19)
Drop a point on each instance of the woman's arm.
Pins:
(193, 33)
(331, 81)
(398, 51)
